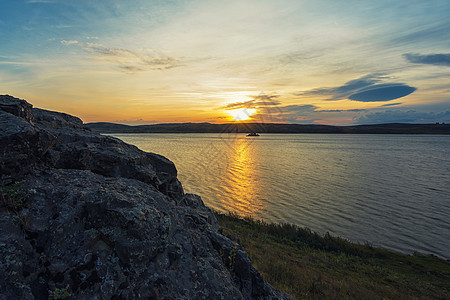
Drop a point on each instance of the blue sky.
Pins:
(329, 62)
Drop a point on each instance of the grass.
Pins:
(307, 265)
(12, 196)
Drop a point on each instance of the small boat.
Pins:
(252, 134)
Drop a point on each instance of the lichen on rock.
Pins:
(101, 219)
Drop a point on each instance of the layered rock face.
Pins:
(86, 216)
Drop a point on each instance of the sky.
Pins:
(289, 61)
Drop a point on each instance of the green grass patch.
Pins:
(308, 265)
(12, 196)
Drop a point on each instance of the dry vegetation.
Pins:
(310, 266)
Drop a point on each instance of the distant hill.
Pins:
(391, 128)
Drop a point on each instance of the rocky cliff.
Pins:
(86, 216)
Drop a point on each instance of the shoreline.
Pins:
(307, 265)
(389, 128)
(342, 239)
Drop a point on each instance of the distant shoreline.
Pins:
(390, 128)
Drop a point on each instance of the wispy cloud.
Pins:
(306, 113)
(63, 26)
(7, 60)
(131, 69)
(289, 114)
(400, 116)
(267, 100)
(429, 59)
(392, 104)
(313, 114)
(16, 63)
(297, 111)
(365, 89)
(238, 105)
(128, 60)
(258, 101)
(41, 1)
(67, 43)
(424, 34)
(341, 110)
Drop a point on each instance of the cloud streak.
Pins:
(68, 43)
(127, 60)
(392, 104)
(400, 116)
(427, 33)
(288, 114)
(306, 113)
(430, 59)
(41, 1)
(364, 89)
(257, 102)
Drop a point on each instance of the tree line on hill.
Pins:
(391, 128)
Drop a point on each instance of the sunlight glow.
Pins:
(243, 188)
(242, 114)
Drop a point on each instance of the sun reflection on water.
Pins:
(242, 185)
(348, 185)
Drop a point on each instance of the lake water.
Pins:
(390, 190)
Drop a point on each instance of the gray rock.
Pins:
(95, 218)
(52, 119)
(23, 147)
(17, 107)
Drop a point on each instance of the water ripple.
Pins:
(389, 190)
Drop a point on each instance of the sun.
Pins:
(242, 114)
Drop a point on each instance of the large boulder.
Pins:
(23, 145)
(85, 216)
(78, 148)
(16, 107)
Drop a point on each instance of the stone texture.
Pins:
(17, 107)
(23, 145)
(94, 218)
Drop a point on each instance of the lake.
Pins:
(392, 191)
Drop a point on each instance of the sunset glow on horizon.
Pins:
(323, 62)
(242, 114)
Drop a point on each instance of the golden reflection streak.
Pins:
(242, 181)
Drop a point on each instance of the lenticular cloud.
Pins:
(382, 92)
